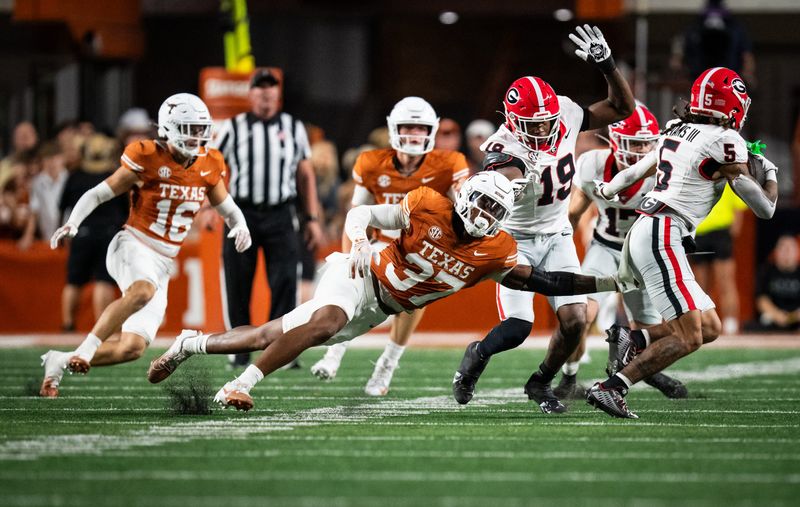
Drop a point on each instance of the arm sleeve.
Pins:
(631, 175)
(380, 216)
(89, 201)
(362, 196)
(749, 190)
(230, 212)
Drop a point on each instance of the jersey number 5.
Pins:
(179, 222)
(664, 166)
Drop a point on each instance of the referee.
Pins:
(267, 151)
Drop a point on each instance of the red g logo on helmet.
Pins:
(634, 137)
(720, 93)
(533, 114)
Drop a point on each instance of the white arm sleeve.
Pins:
(88, 202)
(362, 196)
(752, 194)
(631, 175)
(230, 212)
(380, 216)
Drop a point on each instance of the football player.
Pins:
(629, 141)
(385, 176)
(535, 148)
(696, 156)
(442, 249)
(168, 179)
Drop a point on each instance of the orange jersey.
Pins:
(168, 195)
(429, 261)
(376, 171)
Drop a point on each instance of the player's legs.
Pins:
(70, 299)
(403, 325)
(129, 347)
(102, 296)
(239, 270)
(725, 279)
(568, 387)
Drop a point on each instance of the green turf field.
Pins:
(112, 439)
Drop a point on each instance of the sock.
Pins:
(88, 347)
(730, 325)
(196, 345)
(336, 350)
(251, 376)
(393, 352)
(543, 375)
(618, 381)
(570, 368)
(641, 338)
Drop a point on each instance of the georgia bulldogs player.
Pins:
(629, 141)
(535, 148)
(696, 156)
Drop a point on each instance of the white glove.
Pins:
(761, 167)
(241, 235)
(67, 230)
(593, 48)
(625, 284)
(360, 258)
(518, 186)
(598, 190)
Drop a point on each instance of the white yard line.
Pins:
(253, 425)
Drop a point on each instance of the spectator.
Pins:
(46, 189)
(134, 125)
(24, 142)
(478, 131)
(717, 39)
(379, 138)
(778, 288)
(70, 144)
(448, 136)
(87, 250)
(14, 209)
(716, 235)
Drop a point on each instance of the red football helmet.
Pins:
(633, 137)
(529, 103)
(720, 93)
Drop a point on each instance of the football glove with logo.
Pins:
(593, 48)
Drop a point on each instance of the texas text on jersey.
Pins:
(168, 195)
(429, 261)
(615, 218)
(541, 207)
(377, 172)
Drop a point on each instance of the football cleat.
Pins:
(77, 364)
(610, 400)
(469, 371)
(621, 349)
(54, 363)
(569, 389)
(326, 368)
(165, 365)
(378, 384)
(669, 387)
(235, 394)
(543, 395)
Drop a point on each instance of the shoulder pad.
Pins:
(496, 160)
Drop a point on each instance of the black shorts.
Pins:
(87, 255)
(718, 241)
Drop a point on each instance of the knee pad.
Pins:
(507, 335)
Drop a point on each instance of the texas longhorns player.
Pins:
(442, 249)
(629, 141)
(168, 179)
(385, 176)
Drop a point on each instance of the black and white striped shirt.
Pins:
(263, 157)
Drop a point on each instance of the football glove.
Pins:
(598, 190)
(241, 237)
(360, 258)
(67, 230)
(593, 48)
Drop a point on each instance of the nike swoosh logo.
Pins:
(478, 254)
(429, 179)
(203, 174)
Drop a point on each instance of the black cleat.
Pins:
(669, 387)
(469, 371)
(610, 400)
(543, 395)
(621, 349)
(569, 389)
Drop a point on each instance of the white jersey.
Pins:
(542, 206)
(615, 218)
(688, 156)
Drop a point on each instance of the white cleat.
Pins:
(235, 394)
(378, 384)
(54, 363)
(326, 368)
(164, 365)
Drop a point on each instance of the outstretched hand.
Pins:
(593, 48)
(67, 230)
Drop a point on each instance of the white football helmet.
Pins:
(412, 111)
(184, 121)
(491, 194)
